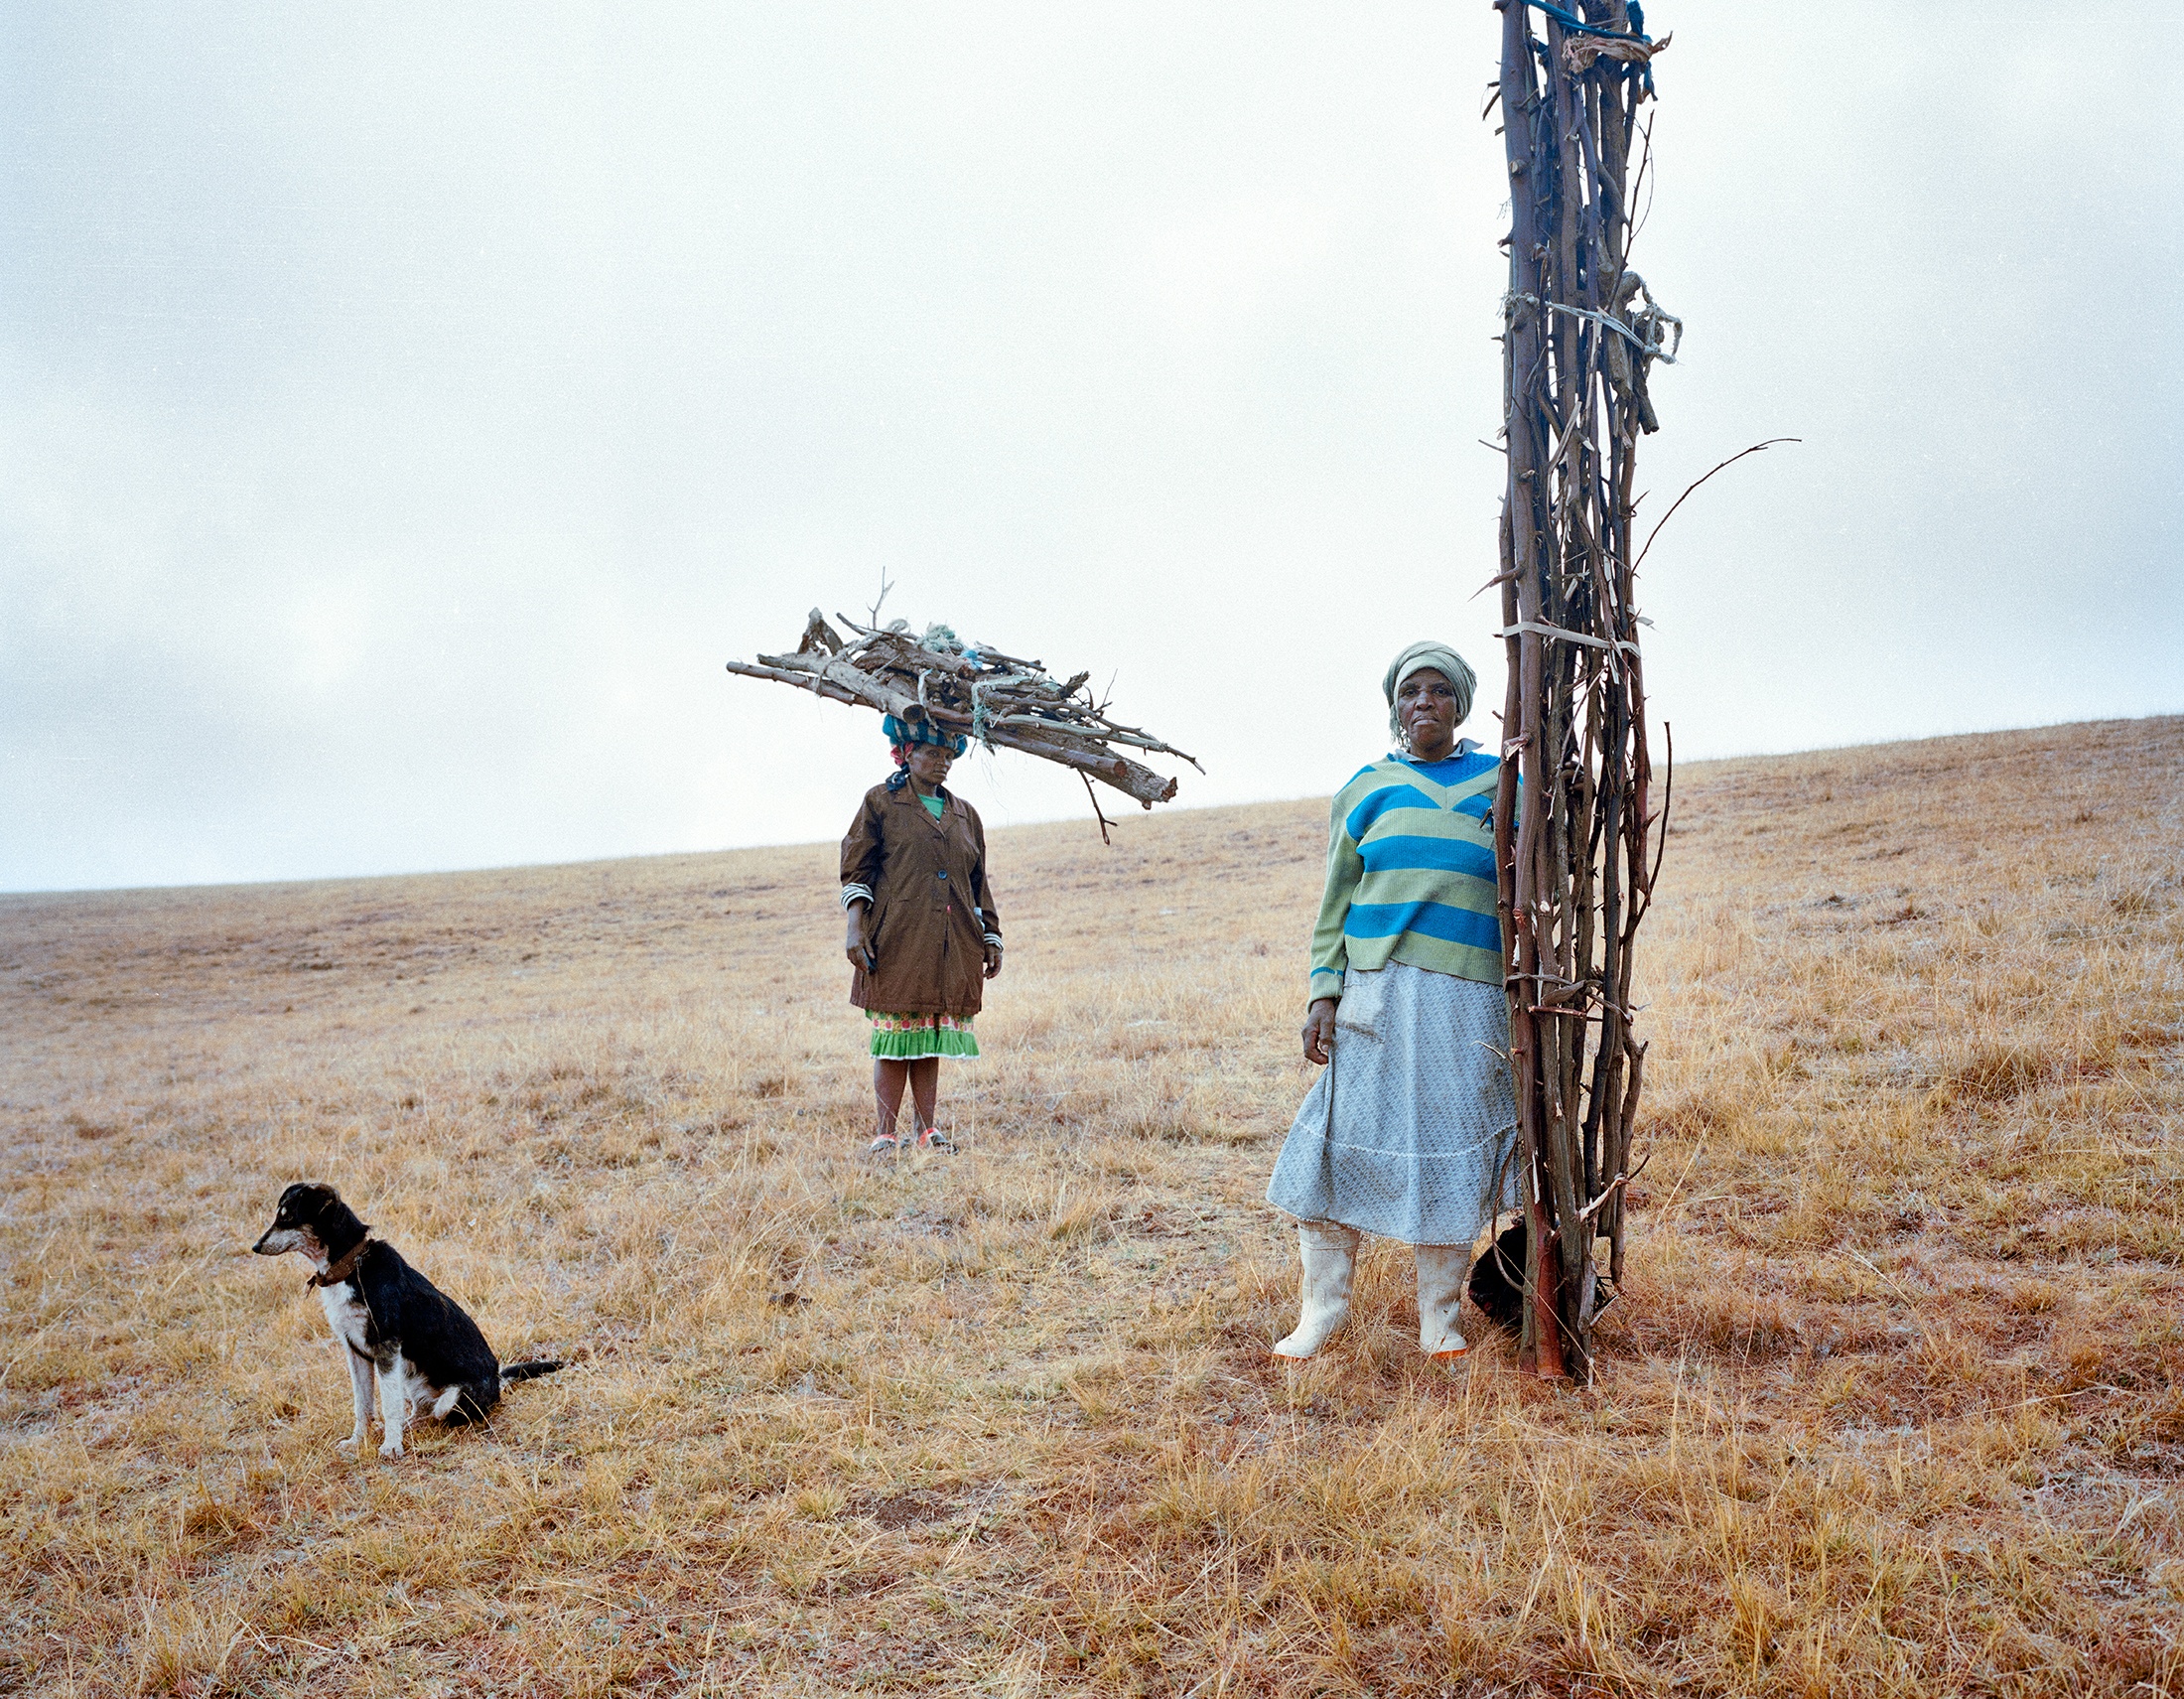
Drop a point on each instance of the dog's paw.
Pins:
(350, 1444)
(393, 1448)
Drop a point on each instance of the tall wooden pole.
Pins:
(1574, 826)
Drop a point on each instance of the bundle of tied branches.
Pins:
(975, 690)
(1574, 837)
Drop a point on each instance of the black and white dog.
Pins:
(402, 1331)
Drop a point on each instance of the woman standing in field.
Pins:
(922, 932)
(1409, 1131)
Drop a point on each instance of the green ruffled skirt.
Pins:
(909, 1037)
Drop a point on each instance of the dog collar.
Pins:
(336, 1272)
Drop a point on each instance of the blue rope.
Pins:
(1570, 21)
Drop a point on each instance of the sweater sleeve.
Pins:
(863, 851)
(1346, 867)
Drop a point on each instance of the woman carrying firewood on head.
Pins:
(1409, 1131)
(923, 936)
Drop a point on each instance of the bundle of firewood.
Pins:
(973, 689)
(1577, 814)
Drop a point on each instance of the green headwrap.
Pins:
(1443, 659)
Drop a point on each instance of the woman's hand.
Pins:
(859, 952)
(1320, 1030)
(993, 960)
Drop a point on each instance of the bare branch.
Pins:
(1679, 501)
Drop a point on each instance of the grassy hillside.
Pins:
(1891, 1405)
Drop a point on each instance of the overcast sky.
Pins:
(405, 411)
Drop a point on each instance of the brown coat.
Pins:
(931, 909)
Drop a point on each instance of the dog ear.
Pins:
(305, 1199)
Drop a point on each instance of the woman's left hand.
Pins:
(993, 960)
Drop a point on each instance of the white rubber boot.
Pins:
(1440, 1273)
(1328, 1251)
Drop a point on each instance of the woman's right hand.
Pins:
(859, 952)
(1319, 1030)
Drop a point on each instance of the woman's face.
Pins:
(1425, 707)
(928, 765)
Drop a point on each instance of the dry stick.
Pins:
(1104, 821)
(1668, 794)
(1601, 1127)
(1602, 1198)
(1613, 1101)
(1681, 500)
(1606, 138)
(1517, 812)
(1518, 351)
(1559, 1049)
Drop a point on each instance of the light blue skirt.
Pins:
(1411, 1130)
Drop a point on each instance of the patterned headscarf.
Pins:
(1443, 659)
(902, 734)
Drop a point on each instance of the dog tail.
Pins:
(511, 1373)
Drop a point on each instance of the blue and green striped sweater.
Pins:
(1411, 872)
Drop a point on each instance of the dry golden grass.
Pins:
(1892, 1404)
